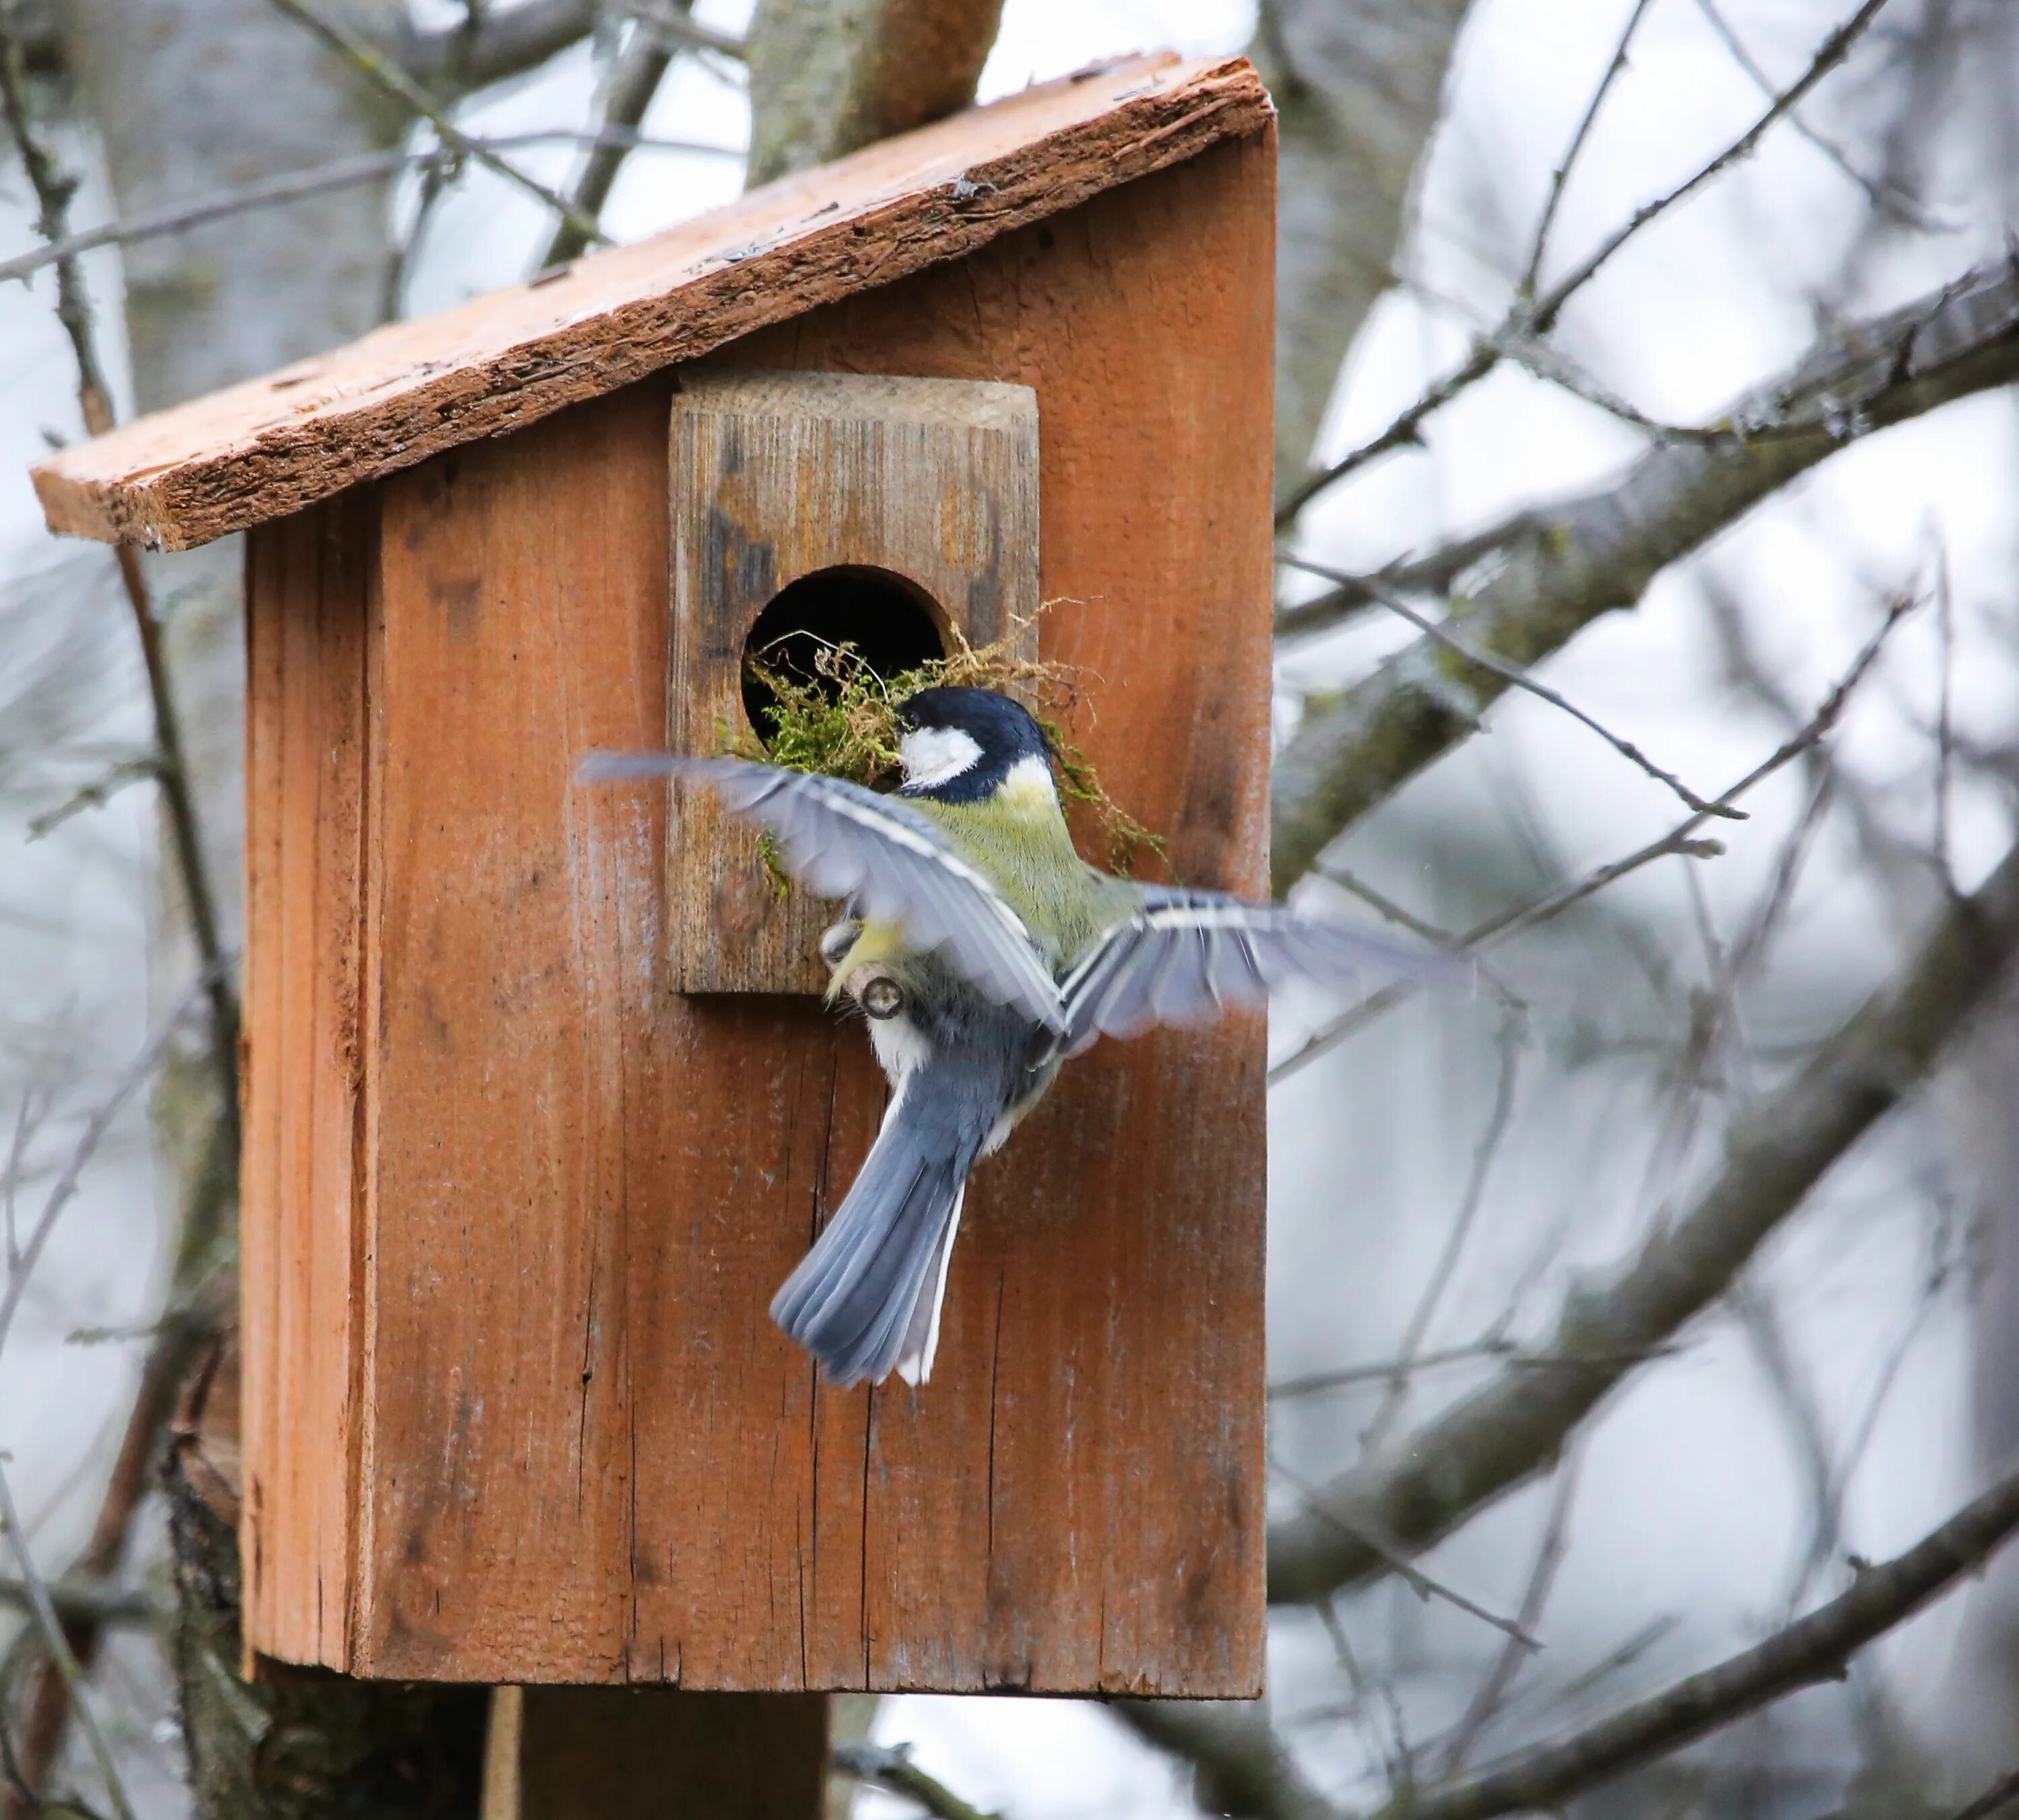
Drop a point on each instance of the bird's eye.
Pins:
(882, 998)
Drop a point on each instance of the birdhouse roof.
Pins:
(271, 445)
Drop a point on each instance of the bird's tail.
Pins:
(865, 1300)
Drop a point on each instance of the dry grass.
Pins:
(843, 723)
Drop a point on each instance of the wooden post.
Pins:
(654, 1754)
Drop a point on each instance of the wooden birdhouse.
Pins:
(540, 1107)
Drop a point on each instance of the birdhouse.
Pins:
(541, 1105)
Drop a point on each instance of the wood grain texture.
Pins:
(309, 587)
(775, 477)
(654, 1754)
(583, 1452)
(257, 451)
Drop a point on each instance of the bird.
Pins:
(984, 954)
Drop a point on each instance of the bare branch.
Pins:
(641, 67)
(1525, 322)
(890, 1766)
(53, 189)
(1812, 1649)
(506, 42)
(92, 1600)
(1453, 640)
(58, 1646)
(1243, 1766)
(1560, 181)
(1430, 1481)
(318, 180)
(1555, 569)
(383, 74)
(1681, 840)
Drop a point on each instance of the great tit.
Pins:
(984, 953)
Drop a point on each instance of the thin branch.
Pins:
(1454, 640)
(64, 1190)
(1513, 1037)
(1246, 1767)
(1550, 1553)
(1549, 572)
(1812, 1649)
(318, 180)
(59, 1649)
(1317, 1382)
(1887, 196)
(1430, 1480)
(1420, 1583)
(1525, 322)
(890, 1766)
(87, 1599)
(1561, 179)
(385, 75)
(53, 189)
(641, 67)
(1682, 839)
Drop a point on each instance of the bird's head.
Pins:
(966, 745)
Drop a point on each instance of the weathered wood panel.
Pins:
(586, 1454)
(308, 614)
(774, 478)
(413, 389)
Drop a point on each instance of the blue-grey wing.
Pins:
(841, 840)
(1185, 955)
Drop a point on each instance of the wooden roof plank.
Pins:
(268, 448)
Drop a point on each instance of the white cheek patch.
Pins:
(936, 755)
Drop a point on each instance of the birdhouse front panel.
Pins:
(515, 1204)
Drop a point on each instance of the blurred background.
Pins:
(1738, 488)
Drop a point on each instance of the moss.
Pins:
(844, 721)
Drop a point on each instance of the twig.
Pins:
(316, 180)
(95, 794)
(1432, 1478)
(1454, 640)
(1550, 1553)
(386, 76)
(1525, 321)
(1549, 572)
(64, 1188)
(58, 1646)
(1314, 1383)
(80, 1598)
(641, 67)
(1812, 1649)
(1420, 1583)
(1994, 1800)
(1882, 195)
(890, 1766)
(683, 29)
(1246, 1767)
(53, 189)
(1514, 1036)
(1683, 839)
(1561, 178)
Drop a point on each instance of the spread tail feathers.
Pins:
(865, 1300)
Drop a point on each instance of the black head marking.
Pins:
(1006, 731)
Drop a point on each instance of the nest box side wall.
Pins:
(508, 1274)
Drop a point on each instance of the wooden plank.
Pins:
(654, 1754)
(410, 390)
(586, 1453)
(776, 477)
(307, 604)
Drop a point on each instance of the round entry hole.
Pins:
(890, 622)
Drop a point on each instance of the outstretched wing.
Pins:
(842, 840)
(1189, 954)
